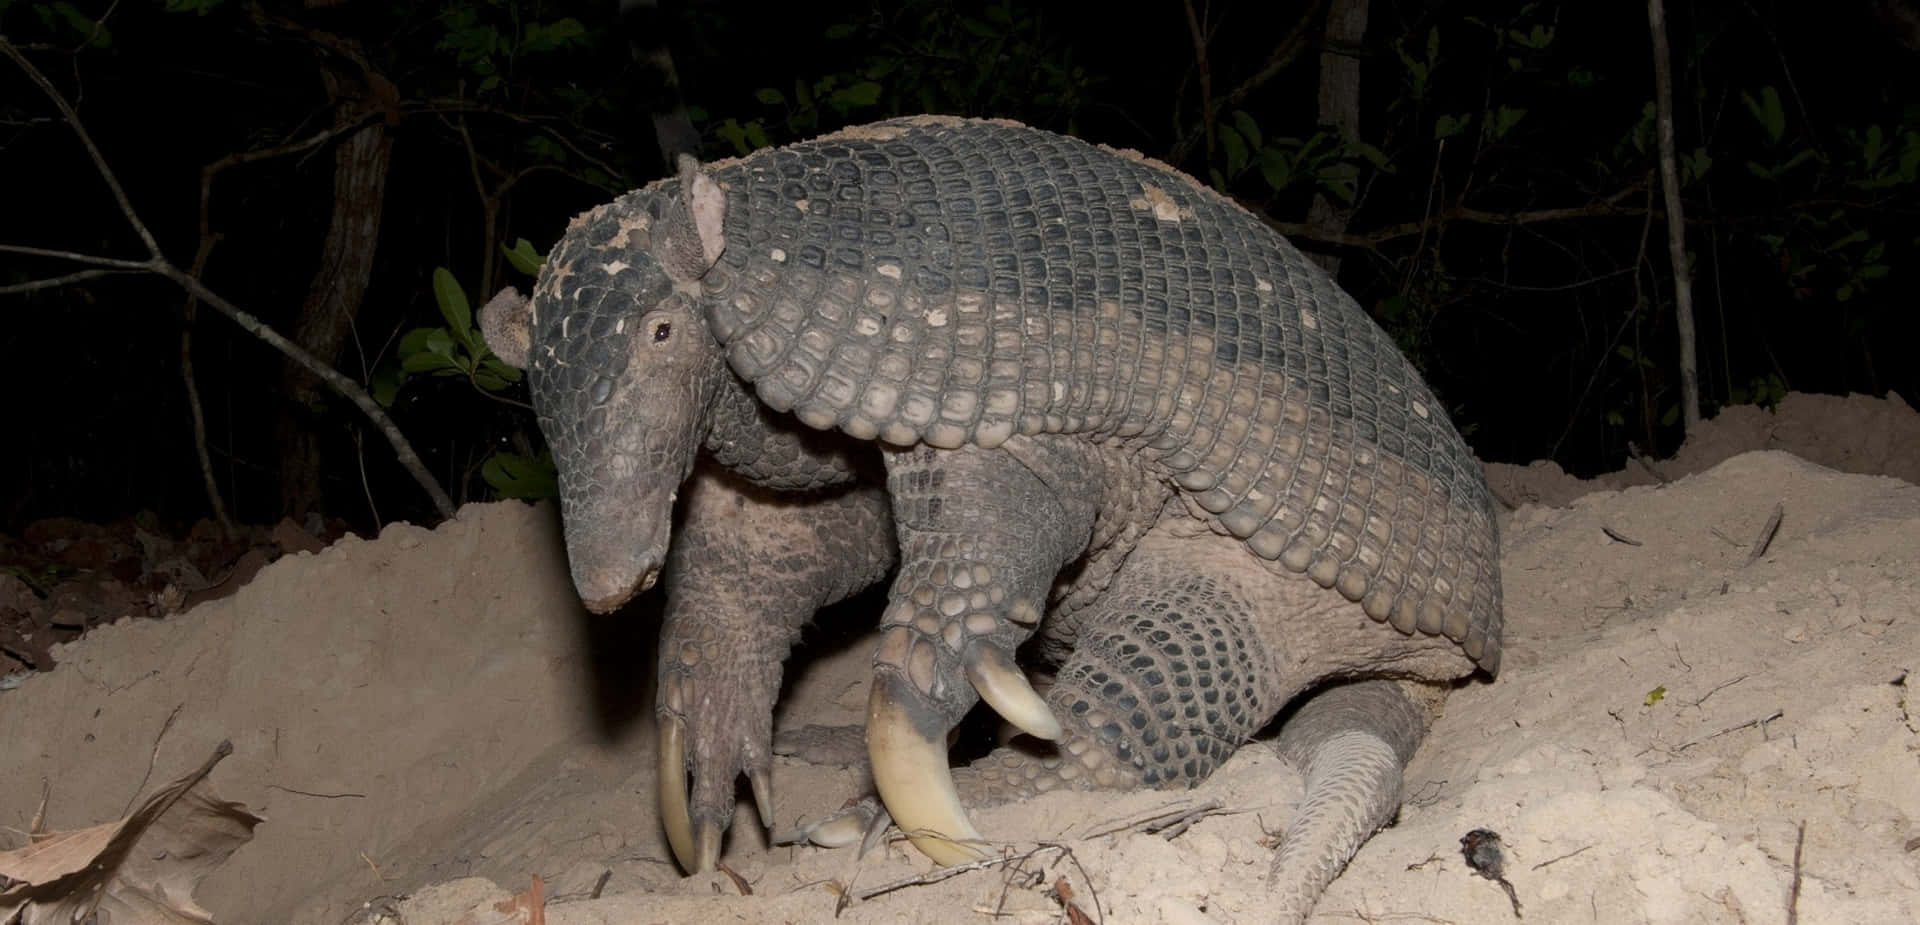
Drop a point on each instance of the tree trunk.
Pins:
(1676, 218)
(339, 285)
(1340, 110)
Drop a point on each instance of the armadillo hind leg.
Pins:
(1166, 681)
(1350, 743)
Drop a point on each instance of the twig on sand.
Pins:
(1011, 860)
(1766, 534)
(1793, 893)
(1170, 823)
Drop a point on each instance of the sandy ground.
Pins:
(428, 722)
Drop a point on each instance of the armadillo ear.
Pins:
(695, 235)
(507, 324)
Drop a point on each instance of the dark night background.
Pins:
(1505, 220)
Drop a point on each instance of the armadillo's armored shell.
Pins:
(955, 281)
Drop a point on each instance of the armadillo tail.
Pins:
(1350, 743)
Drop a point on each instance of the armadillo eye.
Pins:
(662, 331)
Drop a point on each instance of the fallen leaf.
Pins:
(141, 870)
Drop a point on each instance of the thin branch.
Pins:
(86, 141)
(1284, 53)
(1207, 112)
(188, 312)
(57, 281)
(157, 264)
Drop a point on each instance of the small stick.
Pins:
(1793, 894)
(739, 882)
(1561, 858)
(938, 874)
(1170, 822)
(1746, 725)
(1766, 534)
(1619, 537)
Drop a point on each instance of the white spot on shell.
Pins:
(1262, 285)
(778, 255)
(613, 267)
(802, 204)
(1307, 320)
(1163, 206)
(563, 326)
(937, 318)
(889, 270)
(867, 326)
(620, 327)
(1420, 410)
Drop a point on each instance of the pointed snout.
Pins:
(616, 552)
(606, 587)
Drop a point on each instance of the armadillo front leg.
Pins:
(982, 533)
(747, 570)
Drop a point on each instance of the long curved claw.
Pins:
(762, 795)
(1004, 687)
(673, 792)
(706, 845)
(909, 757)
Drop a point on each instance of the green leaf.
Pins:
(1768, 112)
(415, 341)
(1236, 150)
(1844, 293)
(1671, 415)
(512, 475)
(453, 306)
(439, 343)
(1374, 156)
(97, 33)
(1277, 167)
(494, 366)
(1656, 695)
(386, 385)
(488, 381)
(1874, 271)
(1871, 148)
(1505, 118)
(864, 93)
(523, 257)
(770, 96)
(839, 31)
(1448, 126)
(427, 362)
(1245, 125)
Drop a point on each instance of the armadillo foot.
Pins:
(863, 821)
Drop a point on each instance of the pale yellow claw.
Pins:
(762, 796)
(1004, 687)
(910, 770)
(673, 793)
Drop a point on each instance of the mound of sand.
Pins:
(428, 722)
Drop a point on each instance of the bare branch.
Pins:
(157, 263)
(86, 141)
(57, 281)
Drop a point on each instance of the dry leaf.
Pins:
(524, 908)
(141, 870)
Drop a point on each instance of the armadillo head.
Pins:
(623, 373)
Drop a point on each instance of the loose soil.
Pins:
(1683, 730)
